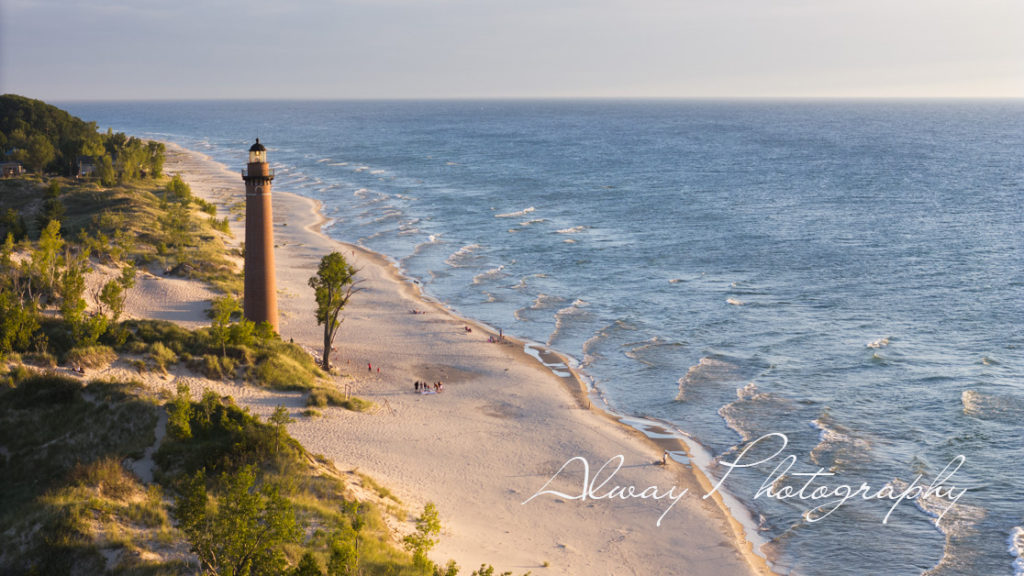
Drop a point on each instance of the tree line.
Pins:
(46, 139)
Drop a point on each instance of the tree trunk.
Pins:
(326, 364)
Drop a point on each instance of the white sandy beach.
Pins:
(504, 425)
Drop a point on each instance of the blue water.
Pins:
(849, 274)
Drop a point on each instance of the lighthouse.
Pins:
(260, 300)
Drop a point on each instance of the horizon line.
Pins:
(551, 99)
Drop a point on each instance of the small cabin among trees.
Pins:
(8, 169)
(86, 167)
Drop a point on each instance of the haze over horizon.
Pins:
(407, 49)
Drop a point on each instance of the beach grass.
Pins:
(131, 222)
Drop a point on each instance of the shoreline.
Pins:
(469, 375)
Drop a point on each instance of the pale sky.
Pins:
(313, 49)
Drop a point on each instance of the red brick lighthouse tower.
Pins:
(260, 300)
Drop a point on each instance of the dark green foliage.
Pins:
(52, 209)
(244, 534)
(222, 437)
(13, 223)
(308, 566)
(45, 137)
(19, 323)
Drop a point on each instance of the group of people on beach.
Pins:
(425, 388)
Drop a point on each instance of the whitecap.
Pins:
(705, 371)
(492, 274)
(991, 406)
(836, 443)
(573, 230)
(523, 212)
(456, 259)
(1016, 549)
(880, 343)
(567, 315)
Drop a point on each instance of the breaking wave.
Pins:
(566, 316)
(459, 257)
(523, 212)
(836, 443)
(707, 370)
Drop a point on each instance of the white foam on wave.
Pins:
(541, 302)
(643, 351)
(836, 441)
(1016, 549)
(492, 274)
(952, 521)
(576, 310)
(323, 160)
(743, 415)
(388, 214)
(880, 343)
(991, 406)
(705, 371)
(534, 221)
(455, 260)
(573, 230)
(522, 212)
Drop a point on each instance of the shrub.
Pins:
(283, 373)
(91, 356)
(213, 366)
(106, 475)
(161, 355)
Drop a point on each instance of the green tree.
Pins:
(334, 284)
(176, 223)
(243, 535)
(344, 559)
(178, 190)
(38, 153)
(13, 223)
(220, 328)
(308, 566)
(73, 305)
(46, 259)
(105, 170)
(428, 526)
(179, 413)
(280, 419)
(18, 322)
(52, 209)
(115, 292)
(155, 151)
